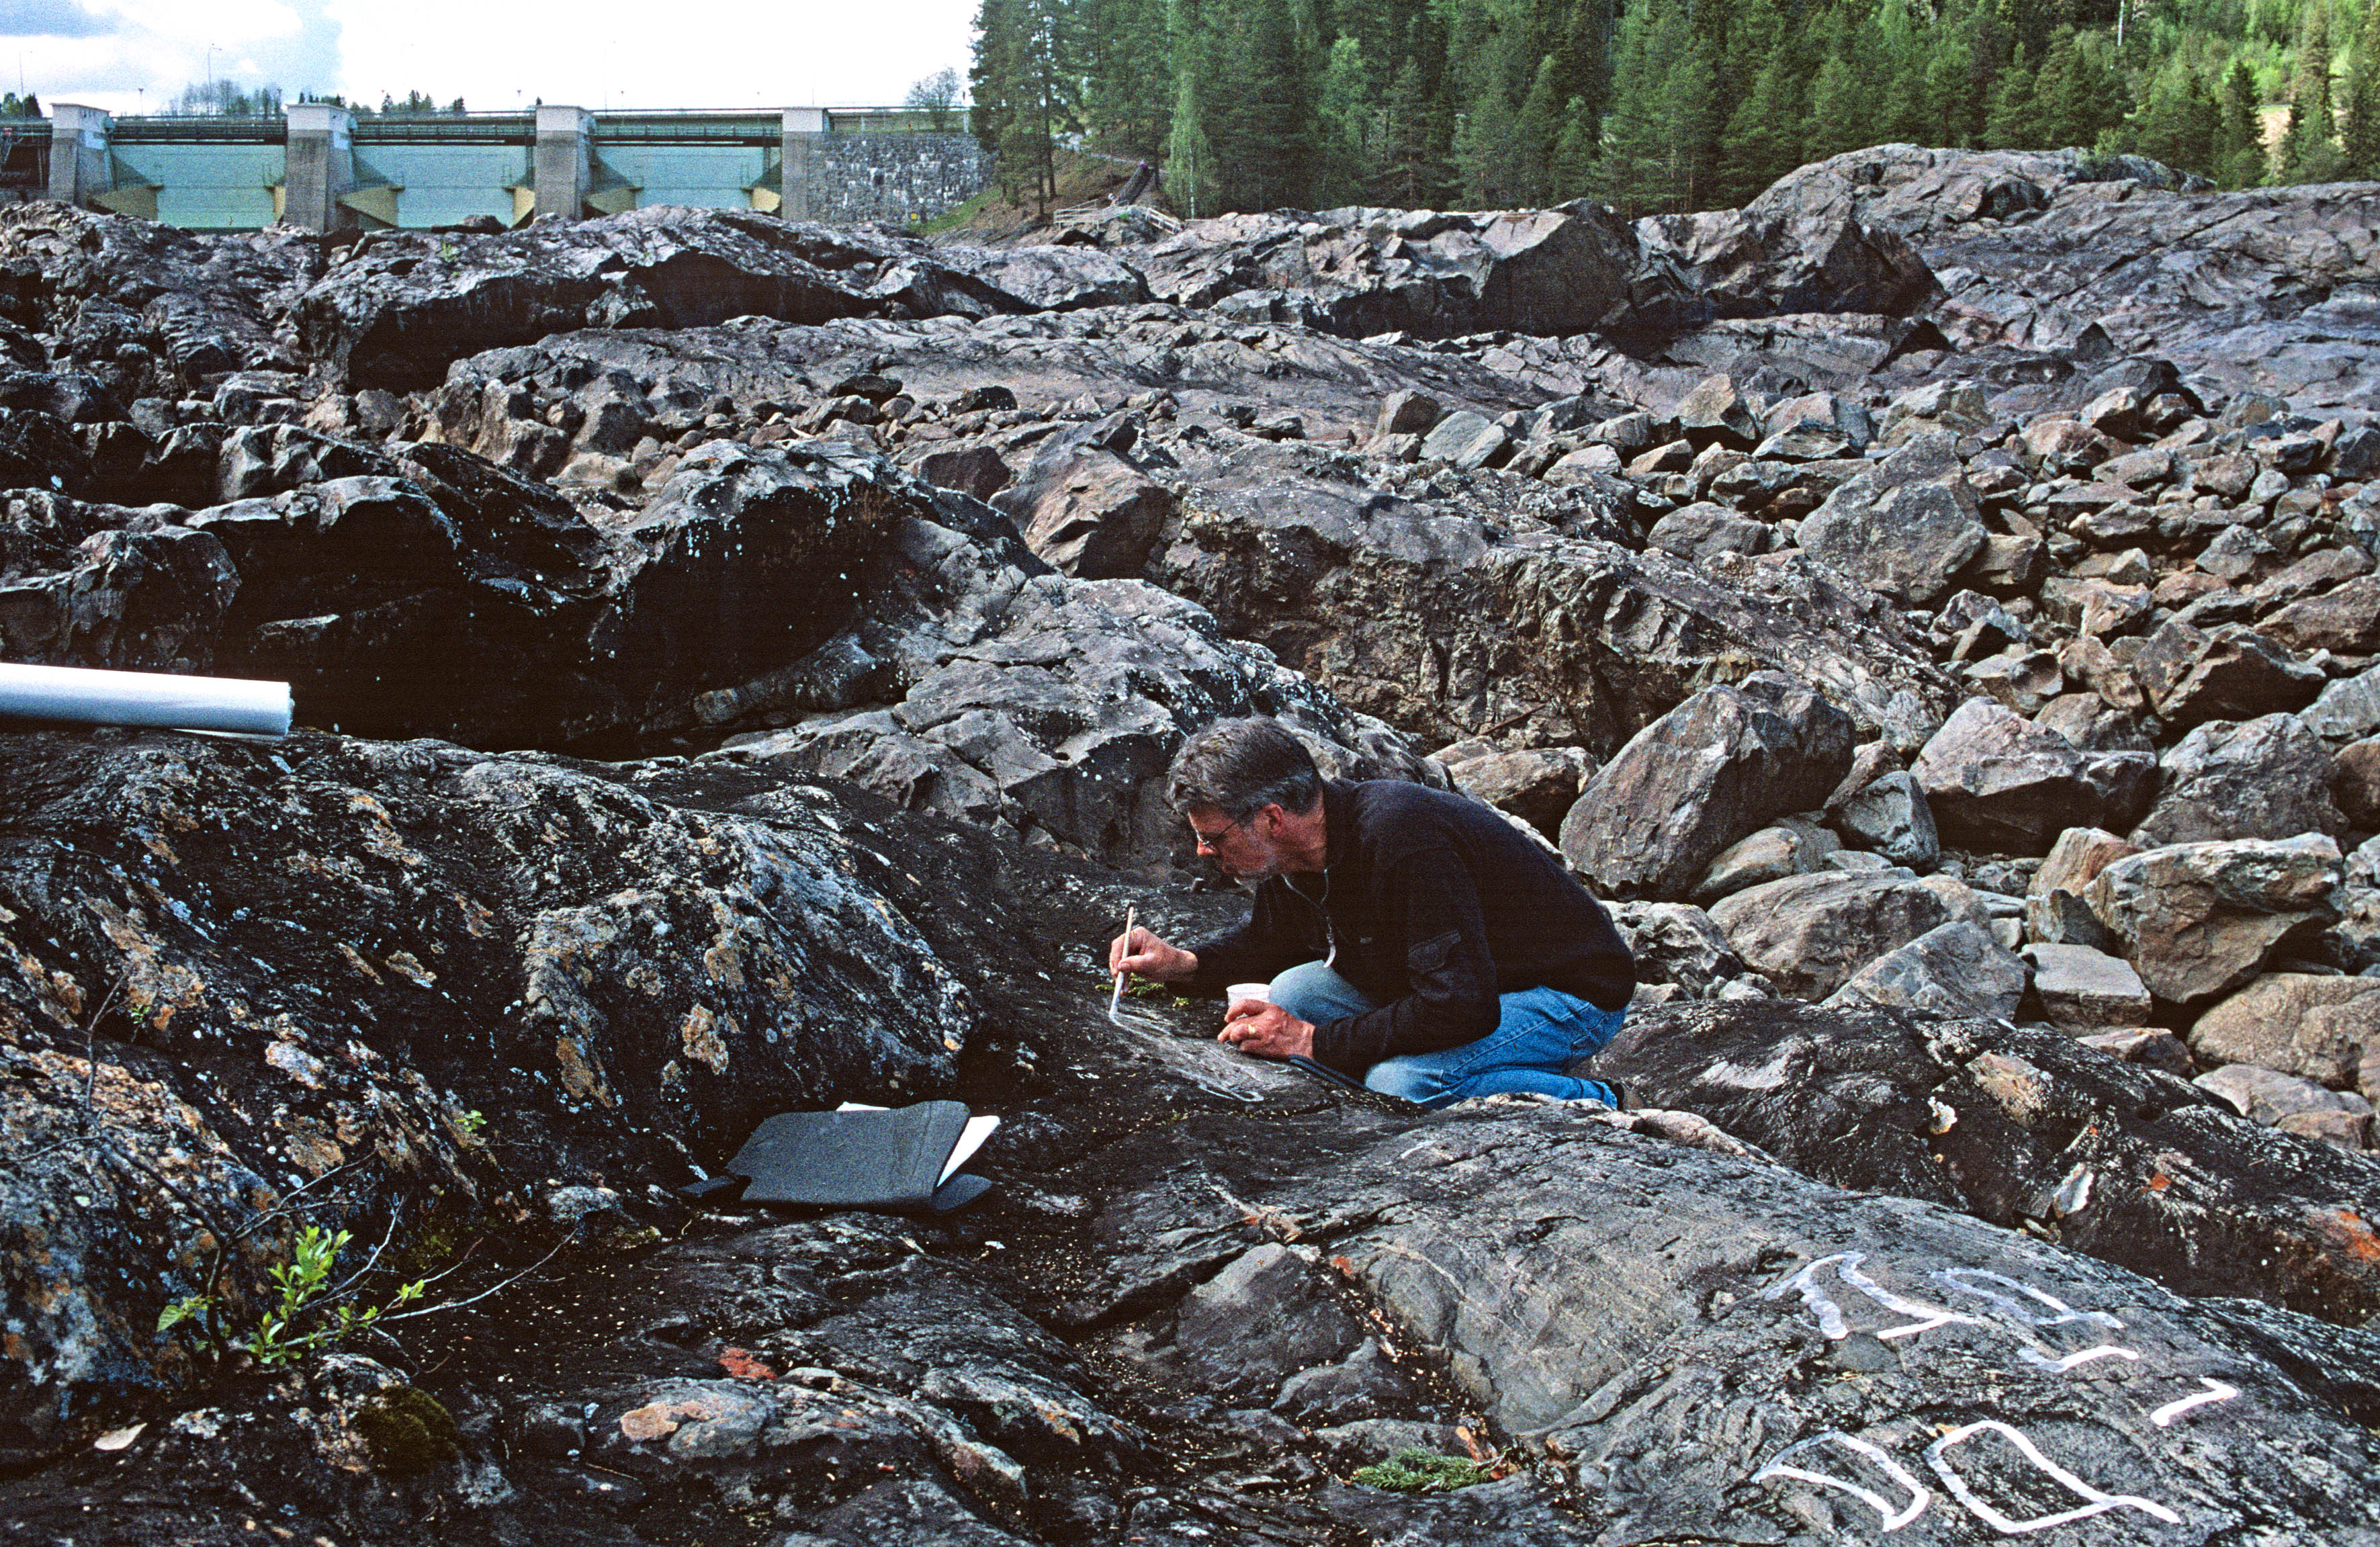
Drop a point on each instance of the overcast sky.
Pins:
(133, 55)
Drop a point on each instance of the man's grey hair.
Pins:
(1238, 767)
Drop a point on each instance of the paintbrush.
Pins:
(1115, 1000)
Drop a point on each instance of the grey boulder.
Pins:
(1810, 934)
(1956, 969)
(1711, 771)
(2197, 921)
(2269, 777)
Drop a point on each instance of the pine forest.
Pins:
(1656, 105)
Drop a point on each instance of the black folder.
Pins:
(891, 1159)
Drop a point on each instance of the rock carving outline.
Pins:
(1918, 1496)
(2216, 1392)
(2099, 1503)
(1830, 1315)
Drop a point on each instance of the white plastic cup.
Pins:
(1260, 992)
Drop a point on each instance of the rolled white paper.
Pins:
(97, 698)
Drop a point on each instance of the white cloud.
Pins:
(592, 53)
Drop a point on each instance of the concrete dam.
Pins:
(324, 169)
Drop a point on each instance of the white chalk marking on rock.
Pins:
(2216, 1392)
(1956, 1280)
(2098, 1502)
(1893, 1519)
(2104, 1351)
(1830, 1315)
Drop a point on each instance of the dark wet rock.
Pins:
(1794, 847)
(1434, 275)
(1087, 509)
(1699, 530)
(1677, 948)
(2345, 619)
(1613, 1327)
(1721, 765)
(1043, 706)
(2250, 290)
(1266, 1317)
(189, 305)
(126, 601)
(402, 307)
(1995, 781)
(1889, 817)
(2178, 1187)
(477, 933)
(1040, 362)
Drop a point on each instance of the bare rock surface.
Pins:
(2218, 282)
(2114, 1160)
(2322, 1029)
(478, 934)
(1809, 934)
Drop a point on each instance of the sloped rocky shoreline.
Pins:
(736, 657)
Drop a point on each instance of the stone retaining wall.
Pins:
(896, 177)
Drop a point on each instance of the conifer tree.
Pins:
(1534, 134)
(1269, 147)
(1693, 121)
(1349, 126)
(2240, 157)
(1411, 164)
(1763, 140)
(2009, 123)
(1128, 83)
(1573, 173)
(2307, 153)
(1843, 104)
(1629, 174)
(2360, 126)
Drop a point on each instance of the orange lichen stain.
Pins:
(2159, 1181)
(355, 959)
(648, 1423)
(580, 1076)
(2349, 1231)
(476, 917)
(700, 1037)
(745, 1365)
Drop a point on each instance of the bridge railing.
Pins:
(678, 126)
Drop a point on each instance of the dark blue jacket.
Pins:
(1438, 906)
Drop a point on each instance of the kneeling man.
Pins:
(1414, 942)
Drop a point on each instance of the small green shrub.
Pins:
(1413, 1470)
(302, 1282)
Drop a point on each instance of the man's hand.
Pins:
(1141, 952)
(1267, 1031)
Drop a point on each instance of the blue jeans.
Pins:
(1543, 1032)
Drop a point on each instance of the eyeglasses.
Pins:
(1209, 842)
